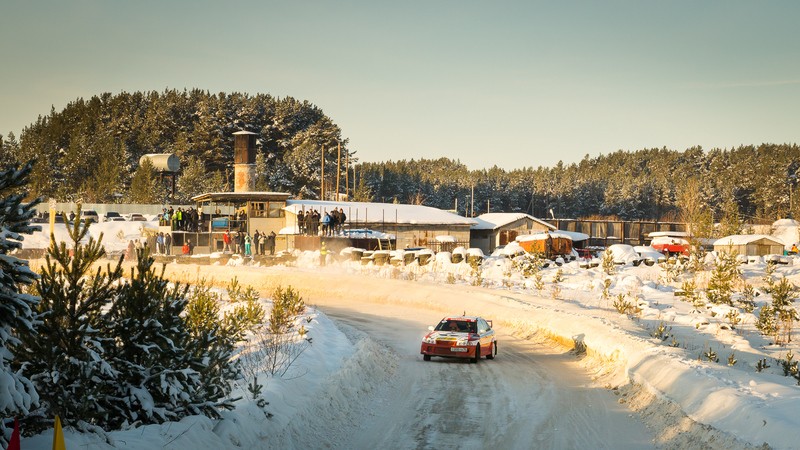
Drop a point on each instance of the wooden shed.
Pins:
(749, 245)
(495, 229)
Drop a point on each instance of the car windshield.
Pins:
(462, 326)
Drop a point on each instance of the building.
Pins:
(247, 212)
(492, 230)
(407, 225)
(749, 245)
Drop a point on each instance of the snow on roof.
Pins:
(668, 234)
(382, 212)
(493, 221)
(574, 235)
(368, 234)
(288, 230)
(542, 236)
(744, 239)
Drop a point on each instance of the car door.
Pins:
(486, 334)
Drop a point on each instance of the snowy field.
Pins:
(673, 360)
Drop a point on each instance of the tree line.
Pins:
(90, 151)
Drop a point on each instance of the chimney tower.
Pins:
(244, 161)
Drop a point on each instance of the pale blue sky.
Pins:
(513, 84)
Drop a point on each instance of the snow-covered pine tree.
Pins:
(725, 274)
(67, 358)
(151, 338)
(17, 393)
(210, 350)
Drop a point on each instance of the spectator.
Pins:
(168, 244)
(326, 224)
(301, 223)
(247, 245)
(342, 218)
(226, 240)
(130, 253)
(256, 243)
(271, 242)
(186, 249)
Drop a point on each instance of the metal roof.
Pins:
(241, 196)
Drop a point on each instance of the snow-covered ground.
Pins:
(663, 348)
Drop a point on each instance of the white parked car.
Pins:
(650, 255)
(778, 259)
(625, 254)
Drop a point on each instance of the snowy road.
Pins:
(530, 396)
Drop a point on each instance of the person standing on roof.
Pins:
(326, 224)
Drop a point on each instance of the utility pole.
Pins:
(472, 202)
(322, 178)
(347, 175)
(338, 170)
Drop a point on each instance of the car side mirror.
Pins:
(430, 327)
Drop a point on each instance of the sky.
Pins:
(509, 83)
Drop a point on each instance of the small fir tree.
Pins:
(607, 263)
(725, 274)
(68, 355)
(783, 295)
(16, 309)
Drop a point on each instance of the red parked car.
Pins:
(460, 337)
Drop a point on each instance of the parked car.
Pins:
(650, 255)
(136, 217)
(460, 337)
(625, 254)
(778, 259)
(90, 216)
(113, 216)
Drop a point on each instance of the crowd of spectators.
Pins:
(243, 244)
(313, 223)
(181, 219)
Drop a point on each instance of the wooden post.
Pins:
(338, 170)
(322, 177)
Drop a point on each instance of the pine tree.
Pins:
(193, 180)
(783, 295)
(17, 395)
(211, 350)
(68, 355)
(155, 383)
(144, 186)
(9, 150)
(725, 274)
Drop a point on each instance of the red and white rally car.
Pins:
(460, 337)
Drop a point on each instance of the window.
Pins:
(275, 210)
(272, 210)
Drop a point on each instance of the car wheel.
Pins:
(477, 354)
(493, 351)
(426, 357)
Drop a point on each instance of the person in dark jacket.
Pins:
(256, 243)
(271, 242)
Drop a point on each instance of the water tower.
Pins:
(244, 161)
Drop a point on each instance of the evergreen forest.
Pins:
(91, 150)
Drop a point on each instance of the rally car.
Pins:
(460, 337)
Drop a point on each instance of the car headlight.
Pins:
(429, 340)
(462, 342)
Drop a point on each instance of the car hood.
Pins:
(448, 334)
